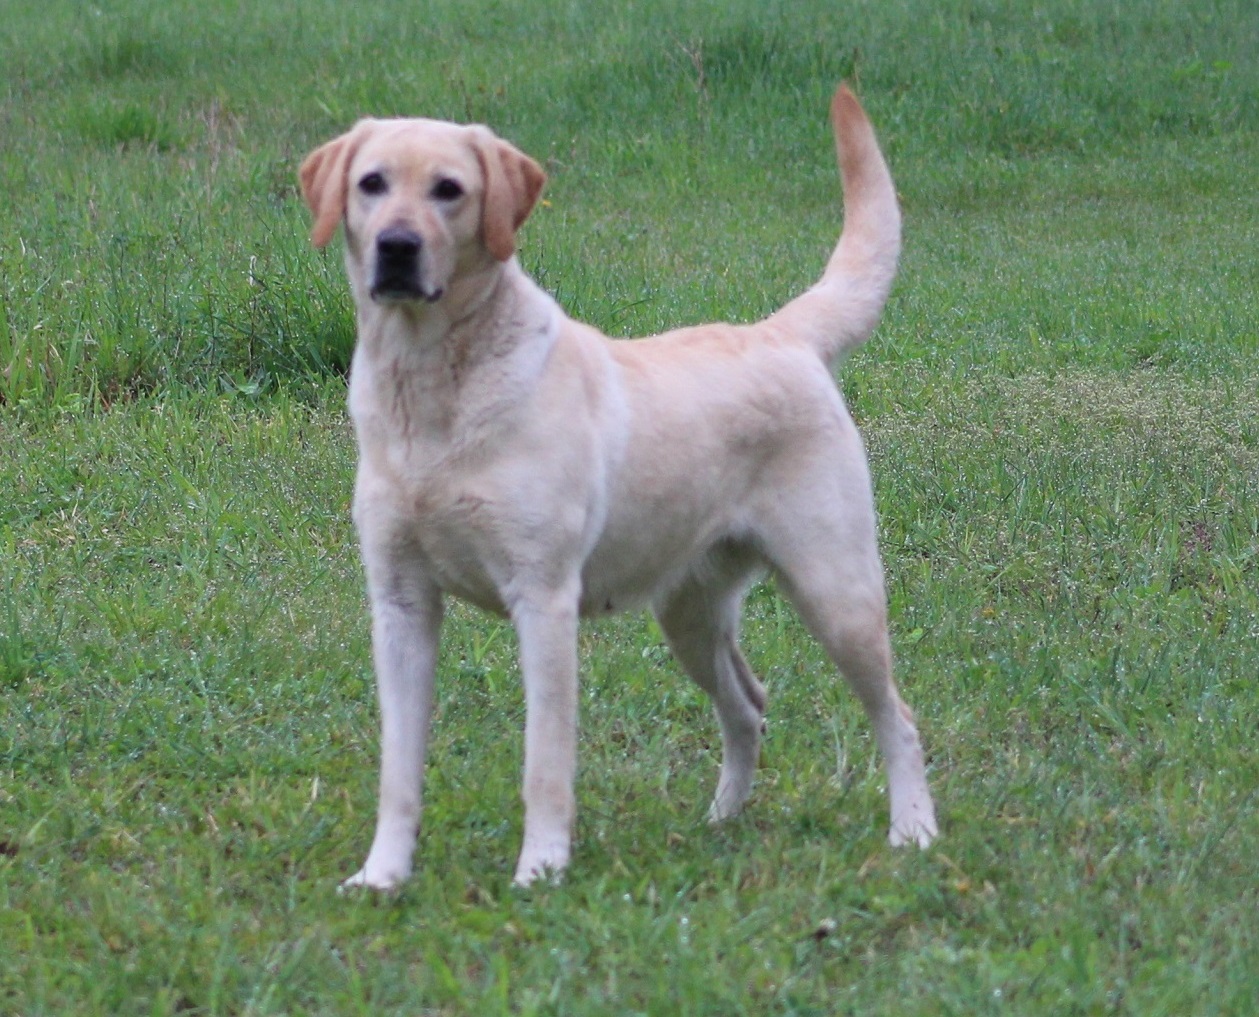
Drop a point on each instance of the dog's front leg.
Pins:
(547, 629)
(406, 619)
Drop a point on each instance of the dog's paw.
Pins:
(720, 810)
(542, 862)
(916, 829)
(733, 790)
(367, 878)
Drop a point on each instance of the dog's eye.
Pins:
(373, 183)
(447, 189)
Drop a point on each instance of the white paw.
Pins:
(721, 809)
(375, 878)
(542, 861)
(732, 794)
(917, 828)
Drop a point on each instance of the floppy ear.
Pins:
(323, 176)
(513, 182)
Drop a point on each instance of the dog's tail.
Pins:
(840, 311)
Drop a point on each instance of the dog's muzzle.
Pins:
(398, 267)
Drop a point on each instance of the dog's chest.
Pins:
(460, 529)
(460, 554)
(456, 525)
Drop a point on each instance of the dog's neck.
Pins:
(428, 359)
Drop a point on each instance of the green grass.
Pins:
(1063, 424)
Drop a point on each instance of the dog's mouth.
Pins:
(391, 290)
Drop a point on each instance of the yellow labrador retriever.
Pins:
(526, 463)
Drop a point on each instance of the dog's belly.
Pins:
(627, 570)
(478, 545)
(615, 578)
(604, 591)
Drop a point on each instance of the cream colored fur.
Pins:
(526, 463)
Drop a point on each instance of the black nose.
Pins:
(398, 246)
(397, 265)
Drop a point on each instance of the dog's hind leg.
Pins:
(700, 619)
(829, 567)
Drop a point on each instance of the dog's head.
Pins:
(422, 201)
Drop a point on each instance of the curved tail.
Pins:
(842, 309)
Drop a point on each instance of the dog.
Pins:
(524, 462)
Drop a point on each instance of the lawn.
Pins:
(1062, 413)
